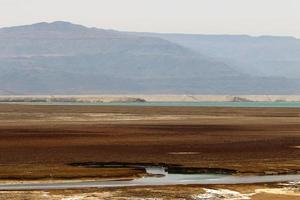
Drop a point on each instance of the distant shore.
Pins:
(150, 98)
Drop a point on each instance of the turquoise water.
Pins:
(177, 104)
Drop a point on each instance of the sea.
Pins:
(172, 104)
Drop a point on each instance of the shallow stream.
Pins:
(158, 176)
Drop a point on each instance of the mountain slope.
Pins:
(64, 58)
(63, 38)
(265, 55)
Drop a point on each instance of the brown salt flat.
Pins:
(252, 140)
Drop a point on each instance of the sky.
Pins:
(253, 17)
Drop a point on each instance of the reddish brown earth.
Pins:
(39, 141)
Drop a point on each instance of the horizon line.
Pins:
(173, 33)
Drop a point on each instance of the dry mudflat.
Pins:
(253, 140)
(39, 142)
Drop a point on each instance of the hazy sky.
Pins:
(255, 17)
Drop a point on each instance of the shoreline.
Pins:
(164, 176)
(147, 98)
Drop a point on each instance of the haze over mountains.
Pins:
(64, 58)
(265, 55)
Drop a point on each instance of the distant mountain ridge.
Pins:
(63, 38)
(65, 58)
(262, 55)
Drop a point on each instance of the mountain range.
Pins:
(66, 58)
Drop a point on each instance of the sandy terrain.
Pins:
(218, 192)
